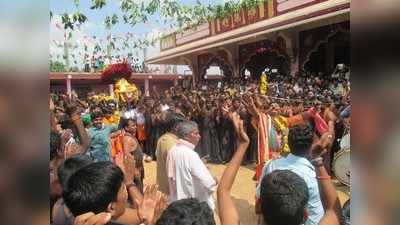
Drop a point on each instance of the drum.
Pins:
(345, 141)
(346, 212)
(341, 166)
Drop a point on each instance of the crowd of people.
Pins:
(98, 148)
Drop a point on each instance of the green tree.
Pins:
(57, 66)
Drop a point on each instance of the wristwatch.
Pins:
(317, 162)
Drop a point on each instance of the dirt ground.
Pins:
(243, 190)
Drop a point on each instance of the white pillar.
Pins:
(111, 89)
(146, 87)
(69, 91)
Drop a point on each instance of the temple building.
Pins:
(288, 36)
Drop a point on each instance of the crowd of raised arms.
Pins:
(98, 148)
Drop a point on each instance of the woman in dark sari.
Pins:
(226, 133)
(252, 152)
(156, 130)
(215, 154)
(209, 138)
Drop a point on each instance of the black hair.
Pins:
(92, 188)
(55, 142)
(107, 109)
(96, 114)
(238, 99)
(65, 122)
(124, 122)
(70, 166)
(300, 139)
(187, 211)
(172, 119)
(284, 196)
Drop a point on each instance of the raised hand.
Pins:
(243, 137)
(257, 100)
(126, 162)
(326, 139)
(225, 110)
(69, 105)
(51, 104)
(238, 124)
(248, 101)
(330, 116)
(148, 206)
(161, 205)
(235, 118)
(322, 145)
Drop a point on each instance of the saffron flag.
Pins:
(263, 145)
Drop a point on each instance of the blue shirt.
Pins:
(302, 167)
(100, 147)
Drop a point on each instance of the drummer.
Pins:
(332, 112)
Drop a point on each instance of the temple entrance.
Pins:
(327, 54)
(259, 62)
(216, 66)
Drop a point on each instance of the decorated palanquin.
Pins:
(114, 72)
(119, 74)
(124, 91)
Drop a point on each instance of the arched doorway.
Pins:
(333, 50)
(226, 69)
(265, 59)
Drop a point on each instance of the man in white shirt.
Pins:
(188, 177)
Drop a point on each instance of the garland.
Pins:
(263, 84)
(115, 72)
(124, 91)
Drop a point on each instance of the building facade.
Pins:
(287, 35)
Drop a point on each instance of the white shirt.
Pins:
(131, 114)
(302, 167)
(188, 177)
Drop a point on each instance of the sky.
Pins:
(94, 30)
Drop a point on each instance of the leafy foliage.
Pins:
(98, 4)
(70, 21)
(57, 66)
(111, 21)
(134, 12)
